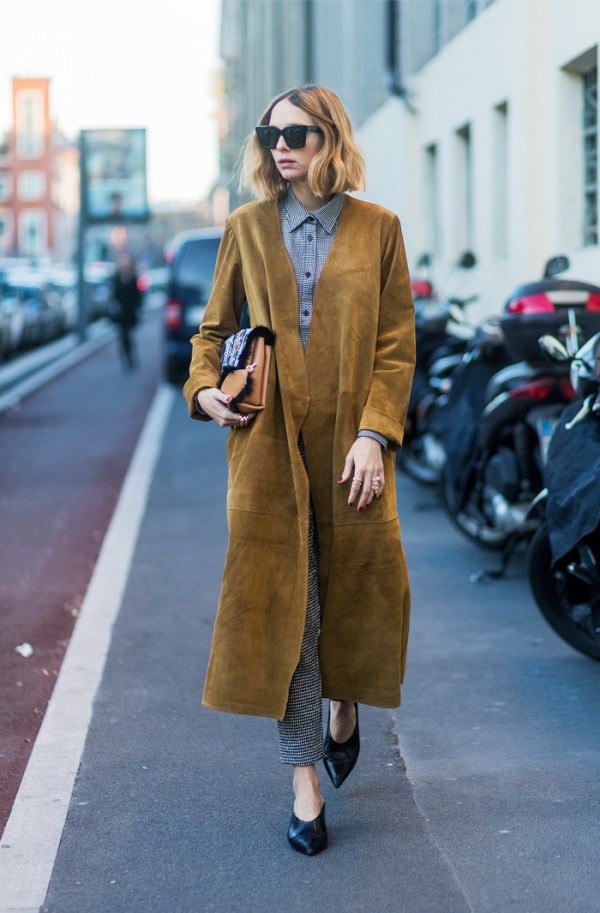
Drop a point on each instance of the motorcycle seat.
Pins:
(555, 289)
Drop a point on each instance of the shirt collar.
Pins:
(327, 215)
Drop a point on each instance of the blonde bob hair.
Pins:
(336, 167)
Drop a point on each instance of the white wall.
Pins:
(514, 54)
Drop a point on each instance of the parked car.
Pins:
(192, 256)
(12, 321)
(43, 315)
(62, 282)
(12, 314)
(5, 350)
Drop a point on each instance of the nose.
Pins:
(281, 144)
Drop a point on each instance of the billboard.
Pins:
(113, 175)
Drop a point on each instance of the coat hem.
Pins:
(391, 703)
(243, 709)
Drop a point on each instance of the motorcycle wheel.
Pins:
(410, 460)
(471, 521)
(564, 600)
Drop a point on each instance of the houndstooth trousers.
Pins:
(301, 730)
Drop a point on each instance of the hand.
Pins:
(364, 466)
(216, 405)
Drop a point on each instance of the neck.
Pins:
(306, 197)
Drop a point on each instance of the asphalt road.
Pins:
(479, 794)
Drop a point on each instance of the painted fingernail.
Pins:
(341, 479)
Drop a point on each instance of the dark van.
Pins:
(191, 270)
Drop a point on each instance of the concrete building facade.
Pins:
(478, 118)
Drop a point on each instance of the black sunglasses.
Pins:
(294, 135)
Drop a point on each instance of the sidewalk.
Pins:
(161, 806)
(177, 809)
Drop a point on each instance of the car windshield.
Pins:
(196, 262)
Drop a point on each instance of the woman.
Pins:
(315, 594)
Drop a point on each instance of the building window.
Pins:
(30, 124)
(590, 156)
(31, 186)
(432, 201)
(437, 26)
(5, 232)
(464, 189)
(32, 233)
(501, 186)
(471, 9)
(5, 188)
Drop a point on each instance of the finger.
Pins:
(242, 421)
(356, 488)
(371, 490)
(366, 496)
(347, 470)
(377, 484)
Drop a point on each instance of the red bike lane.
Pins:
(64, 452)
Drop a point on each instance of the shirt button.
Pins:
(308, 275)
(306, 313)
(310, 237)
(311, 218)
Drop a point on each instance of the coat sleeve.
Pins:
(221, 319)
(387, 403)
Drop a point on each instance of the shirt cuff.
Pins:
(376, 437)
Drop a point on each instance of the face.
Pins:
(293, 164)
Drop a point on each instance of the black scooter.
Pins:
(563, 557)
(442, 337)
(493, 471)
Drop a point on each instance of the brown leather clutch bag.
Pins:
(245, 367)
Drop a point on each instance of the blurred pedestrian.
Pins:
(127, 301)
(315, 593)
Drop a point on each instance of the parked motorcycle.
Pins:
(563, 557)
(441, 339)
(495, 464)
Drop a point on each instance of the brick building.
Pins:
(39, 193)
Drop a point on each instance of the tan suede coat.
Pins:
(356, 373)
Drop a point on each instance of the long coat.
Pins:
(355, 374)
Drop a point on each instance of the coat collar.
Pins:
(295, 214)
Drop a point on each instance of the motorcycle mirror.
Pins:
(553, 347)
(456, 312)
(556, 265)
(467, 260)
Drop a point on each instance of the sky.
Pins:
(124, 63)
